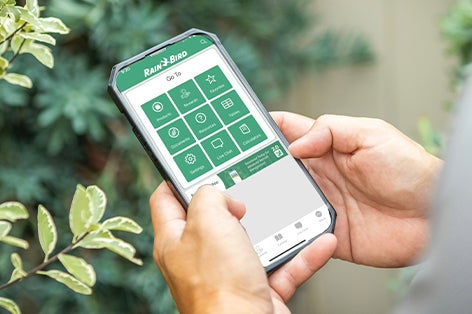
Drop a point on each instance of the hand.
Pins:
(208, 260)
(378, 180)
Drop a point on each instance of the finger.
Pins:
(167, 214)
(340, 133)
(212, 201)
(292, 275)
(292, 125)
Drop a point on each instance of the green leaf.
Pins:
(40, 52)
(12, 211)
(32, 6)
(79, 268)
(70, 281)
(53, 25)
(15, 242)
(18, 79)
(45, 38)
(104, 239)
(3, 62)
(122, 224)
(80, 216)
(5, 228)
(17, 274)
(9, 305)
(16, 261)
(98, 201)
(46, 231)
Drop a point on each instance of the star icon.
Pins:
(210, 79)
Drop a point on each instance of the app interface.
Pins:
(208, 129)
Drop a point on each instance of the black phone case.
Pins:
(167, 174)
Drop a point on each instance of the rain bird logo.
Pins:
(164, 63)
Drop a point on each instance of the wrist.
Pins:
(229, 302)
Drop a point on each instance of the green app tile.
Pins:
(220, 148)
(230, 107)
(186, 96)
(247, 133)
(213, 82)
(176, 136)
(203, 122)
(193, 163)
(160, 110)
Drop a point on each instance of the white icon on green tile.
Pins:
(217, 143)
(211, 79)
(227, 103)
(200, 118)
(184, 93)
(157, 106)
(174, 132)
(244, 129)
(190, 159)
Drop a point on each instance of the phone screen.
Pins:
(206, 127)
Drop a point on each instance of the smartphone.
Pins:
(201, 123)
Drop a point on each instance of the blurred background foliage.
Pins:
(66, 130)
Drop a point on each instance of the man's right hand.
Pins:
(378, 180)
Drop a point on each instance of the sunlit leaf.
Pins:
(5, 228)
(98, 202)
(53, 25)
(17, 274)
(122, 224)
(40, 52)
(15, 242)
(80, 216)
(79, 268)
(46, 231)
(123, 249)
(70, 281)
(3, 62)
(96, 240)
(18, 79)
(45, 38)
(16, 261)
(9, 305)
(32, 6)
(12, 211)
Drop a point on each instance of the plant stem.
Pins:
(16, 54)
(14, 33)
(46, 263)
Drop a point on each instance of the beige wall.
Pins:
(410, 79)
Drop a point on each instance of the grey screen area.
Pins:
(275, 197)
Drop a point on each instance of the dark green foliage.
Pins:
(66, 130)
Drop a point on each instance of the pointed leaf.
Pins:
(46, 231)
(12, 211)
(16, 261)
(98, 201)
(18, 79)
(42, 53)
(32, 6)
(17, 274)
(122, 224)
(70, 281)
(79, 268)
(53, 25)
(9, 305)
(123, 249)
(46, 38)
(3, 62)
(15, 242)
(96, 240)
(5, 228)
(80, 216)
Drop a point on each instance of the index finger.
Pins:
(292, 125)
(167, 214)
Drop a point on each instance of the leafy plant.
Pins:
(23, 31)
(87, 209)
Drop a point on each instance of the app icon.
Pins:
(278, 153)
(174, 132)
(184, 93)
(210, 79)
(200, 117)
(318, 214)
(298, 225)
(217, 143)
(157, 106)
(278, 237)
(227, 103)
(190, 159)
(244, 129)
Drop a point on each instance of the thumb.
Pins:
(315, 143)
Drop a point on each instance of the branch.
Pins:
(14, 33)
(53, 259)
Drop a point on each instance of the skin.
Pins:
(377, 179)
